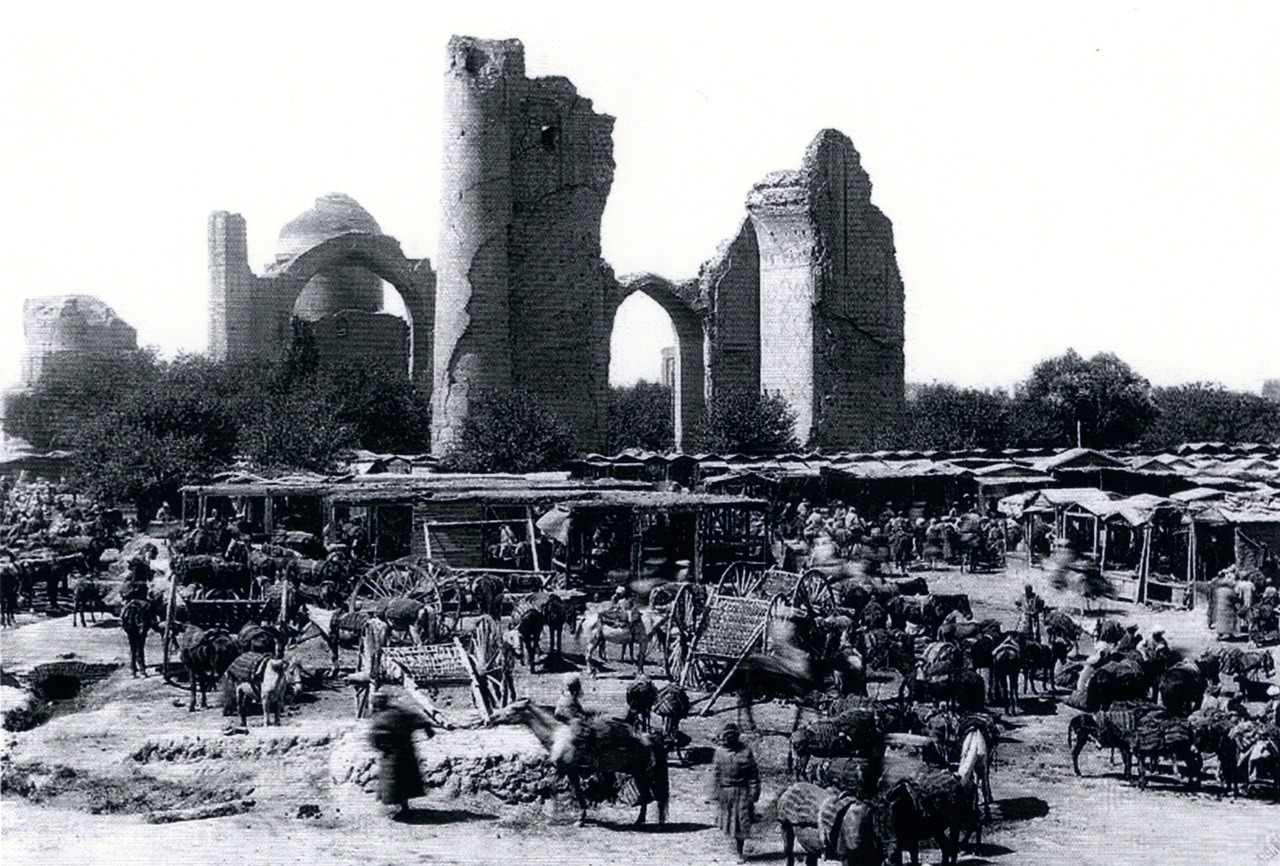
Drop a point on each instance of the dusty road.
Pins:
(78, 788)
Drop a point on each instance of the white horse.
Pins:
(975, 767)
(594, 633)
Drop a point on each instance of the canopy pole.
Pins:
(1144, 565)
(533, 539)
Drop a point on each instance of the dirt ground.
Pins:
(79, 788)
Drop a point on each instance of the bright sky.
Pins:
(1096, 175)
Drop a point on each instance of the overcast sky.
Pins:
(1097, 176)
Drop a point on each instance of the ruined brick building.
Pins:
(805, 300)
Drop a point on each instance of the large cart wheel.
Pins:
(814, 593)
(682, 629)
(740, 579)
(416, 579)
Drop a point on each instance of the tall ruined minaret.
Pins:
(472, 332)
(521, 294)
(230, 287)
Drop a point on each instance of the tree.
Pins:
(942, 416)
(746, 423)
(1205, 411)
(385, 411)
(296, 431)
(640, 416)
(73, 390)
(1102, 401)
(175, 429)
(510, 431)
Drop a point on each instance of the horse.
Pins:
(928, 806)
(10, 584)
(337, 628)
(206, 656)
(555, 613)
(976, 759)
(270, 684)
(1157, 736)
(1258, 760)
(1006, 664)
(408, 615)
(488, 591)
(1058, 624)
(1110, 729)
(672, 706)
(1212, 736)
(595, 632)
(641, 696)
(596, 745)
(529, 622)
(1041, 660)
(253, 637)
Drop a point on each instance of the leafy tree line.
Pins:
(1100, 402)
(511, 431)
(141, 428)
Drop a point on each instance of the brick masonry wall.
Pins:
(730, 283)
(521, 288)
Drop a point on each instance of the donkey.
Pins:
(137, 618)
(269, 682)
(206, 655)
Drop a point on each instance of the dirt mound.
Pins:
(456, 764)
(99, 794)
(193, 749)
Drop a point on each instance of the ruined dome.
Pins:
(71, 324)
(334, 214)
(341, 287)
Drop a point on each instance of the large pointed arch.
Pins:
(380, 254)
(680, 302)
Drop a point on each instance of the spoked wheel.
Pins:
(417, 579)
(813, 592)
(780, 614)
(455, 593)
(741, 579)
(682, 628)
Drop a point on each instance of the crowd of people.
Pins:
(894, 540)
(34, 514)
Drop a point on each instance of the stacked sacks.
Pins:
(855, 733)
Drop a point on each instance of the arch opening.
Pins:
(643, 366)
(653, 311)
(390, 278)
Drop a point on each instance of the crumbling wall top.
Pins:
(485, 59)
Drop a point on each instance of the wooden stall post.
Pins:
(171, 607)
(1144, 565)
(533, 538)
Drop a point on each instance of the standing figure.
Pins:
(391, 732)
(569, 707)
(737, 780)
(1032, 607)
